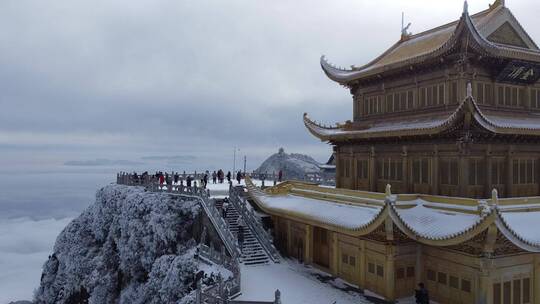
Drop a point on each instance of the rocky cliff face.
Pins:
(293, 165)
(131, 246)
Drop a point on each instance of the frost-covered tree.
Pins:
(131, 246)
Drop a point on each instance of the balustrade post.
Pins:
(198, 293)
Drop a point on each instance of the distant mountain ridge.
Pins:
(294, 165)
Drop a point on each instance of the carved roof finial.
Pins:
(465, 7)
(494, 197)
(388, 190)
(404, 29)
(498, 3)
(469, 90)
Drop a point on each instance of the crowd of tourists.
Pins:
(178, 179)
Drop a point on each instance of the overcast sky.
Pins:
(120, 79)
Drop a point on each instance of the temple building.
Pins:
(452, 115)
(417, 126)
(464, 250)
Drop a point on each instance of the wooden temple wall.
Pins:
(394, 270)
(441, 169)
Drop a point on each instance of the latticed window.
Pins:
(484, 93)
(517, 291)
(497, 172)
(454, 96)
(399, 101)
(420, 171)
(432, 95)
(390, 169)
(510, 96)
(431, 275)
(535, 98)
(374, 105)
(449, 172)
(362, 168)
(476, 172)
(524, 171)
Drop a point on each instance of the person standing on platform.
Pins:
(224, 208)
(214, 177)
(280, 176)
(229, 175)
(421, 294)
(176, 177)
(239, 177)
(188, 181)
(241, 234)
(161, 180)
(205, 180)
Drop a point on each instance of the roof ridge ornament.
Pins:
(497, 3)
(465, 7)
(405, 34)
(469, 90)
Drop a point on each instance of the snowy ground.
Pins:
(222, 190)
(297, 283)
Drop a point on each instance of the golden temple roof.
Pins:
(428, 219)
(413, 49)
(527, 124)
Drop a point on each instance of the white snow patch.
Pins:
(349, 216)
(296, 283)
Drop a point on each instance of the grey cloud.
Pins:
(197, 77)
(102, 162)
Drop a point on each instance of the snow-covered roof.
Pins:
(412, 49)
(347, 216)
(433, 223)
(434, 123)
(433, 220)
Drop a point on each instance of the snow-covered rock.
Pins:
(294, 165)
(131, 246)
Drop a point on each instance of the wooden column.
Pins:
(483, 293)
(535, 280)
(334, 257)
(339, 167)
(354, 172)
(390, 261)
(390, 290)
(362, 262)
(419, 266)
(289, 237)
(463, 174)
(509, 173)
(405, 170)
(435, 171)
(308, 252)
(372, 170)
(488, 161)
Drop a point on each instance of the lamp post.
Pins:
(234, 159)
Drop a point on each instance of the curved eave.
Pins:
(256, 194)
(447, 240)
(513, 236)
(464, 28)
(468, 105)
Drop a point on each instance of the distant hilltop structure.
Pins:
(293, 166)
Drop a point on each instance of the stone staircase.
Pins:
(252, 251)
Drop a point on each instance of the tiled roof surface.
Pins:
(434, 220)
